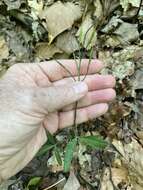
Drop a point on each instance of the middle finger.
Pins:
(94, 82)
(94, 97)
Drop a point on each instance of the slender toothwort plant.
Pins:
(74, 139)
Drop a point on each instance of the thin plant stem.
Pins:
(138, 11)
(79, 67)
(76, 62)
(86, 34)
(68, 71)
(90, 59)
(84, 40)
(75, 117)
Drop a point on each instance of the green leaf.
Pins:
(58, 156)
(45, 148)
(33, 182)
(50, 137)
(94, 142)
(69, 154)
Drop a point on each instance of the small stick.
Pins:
(55, 184)
(141, 2)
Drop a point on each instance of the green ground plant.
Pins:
(74, 139)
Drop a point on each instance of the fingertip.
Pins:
(97, 110)
(111, 81)
(110, 94)
(97, 61)
(97, 64)
(49, 124)
(113, 94)
(103, 108)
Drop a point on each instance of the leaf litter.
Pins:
(38, 30)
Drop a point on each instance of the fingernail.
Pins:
(80, 88)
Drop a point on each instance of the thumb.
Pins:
(56, 97)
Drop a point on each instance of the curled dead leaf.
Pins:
(60, 17)
(72, 183)
(46, 51)
(67, 42)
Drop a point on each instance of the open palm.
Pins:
(35, 97)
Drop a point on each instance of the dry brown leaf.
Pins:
(98, 9)
(122, 71)
(46, 51)
(72, 183)
(13, 4)
(133, 159)
(18, 46)
(127, 32)
(67, 42)
(113, 23)
(119, 175)
(4, 51)
(36, 7)
(121, 63)
(125, 3)
(5, 185)
(138, 80)
(53, 165)
(60, 17)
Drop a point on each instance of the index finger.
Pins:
(56, 71)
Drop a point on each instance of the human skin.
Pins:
(40, 96)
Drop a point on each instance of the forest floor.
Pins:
(41, 30)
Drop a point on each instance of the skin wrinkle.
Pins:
(36, 99)
(49, 83)
(51, 72)
(32, 114)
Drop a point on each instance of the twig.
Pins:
(55, 184)
(141, 2)
(75, 116)
(112, 182)
(101, 178)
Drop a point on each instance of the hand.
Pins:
(36, 97)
